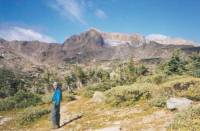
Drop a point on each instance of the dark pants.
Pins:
(55, 115)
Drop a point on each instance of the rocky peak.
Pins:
(91, 36)
(93, 30)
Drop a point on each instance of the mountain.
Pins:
(91, 45)
(169, 40)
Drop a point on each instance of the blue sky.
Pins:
(55, 20)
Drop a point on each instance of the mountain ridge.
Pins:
(91, 45)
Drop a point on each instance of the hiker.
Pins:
(56, 100)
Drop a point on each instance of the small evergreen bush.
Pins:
(20, 100)
(89, 90)
(158, 101)
(126, 95)
(31, 115)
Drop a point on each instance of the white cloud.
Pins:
(24, 34)
(72, 9)
(76, 10)
(100, 14)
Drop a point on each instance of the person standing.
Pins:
(56, 100)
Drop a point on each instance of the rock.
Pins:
(3, 120)
(98, 97)
(112, 128)
(178, 103)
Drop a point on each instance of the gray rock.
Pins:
(98, 97)
(3, 120)
(178, 103)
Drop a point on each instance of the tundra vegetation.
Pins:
(125, 85)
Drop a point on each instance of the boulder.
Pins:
(3, 120)
(99, 97)
(178, 103)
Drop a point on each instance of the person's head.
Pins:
(55, 85)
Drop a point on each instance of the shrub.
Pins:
(103, 75)
(69, 97)
(129, 72)
(71, 81)
(158, 79)
(87, 93)
(196, 73)
(47, 98)
(25, 99)
(31, 115)
(158, 101)
(10, 83)
(193, 92)
(20, 100)
(102, 86)
(193, 65)
(126, 95)
(188, 120)
(141, 70)
(89, 90)
(144, 79)
(6, 104)
(181, 86)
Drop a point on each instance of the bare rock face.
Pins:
(115, 39)
(166, 40)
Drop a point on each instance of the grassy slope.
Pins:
(136, 117)
(100, 115)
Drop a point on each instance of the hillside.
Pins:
(82, 113)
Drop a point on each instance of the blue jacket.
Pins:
(57, 96)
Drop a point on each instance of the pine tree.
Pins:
(175, 65)
(194, 65)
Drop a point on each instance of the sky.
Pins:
(56, 20)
